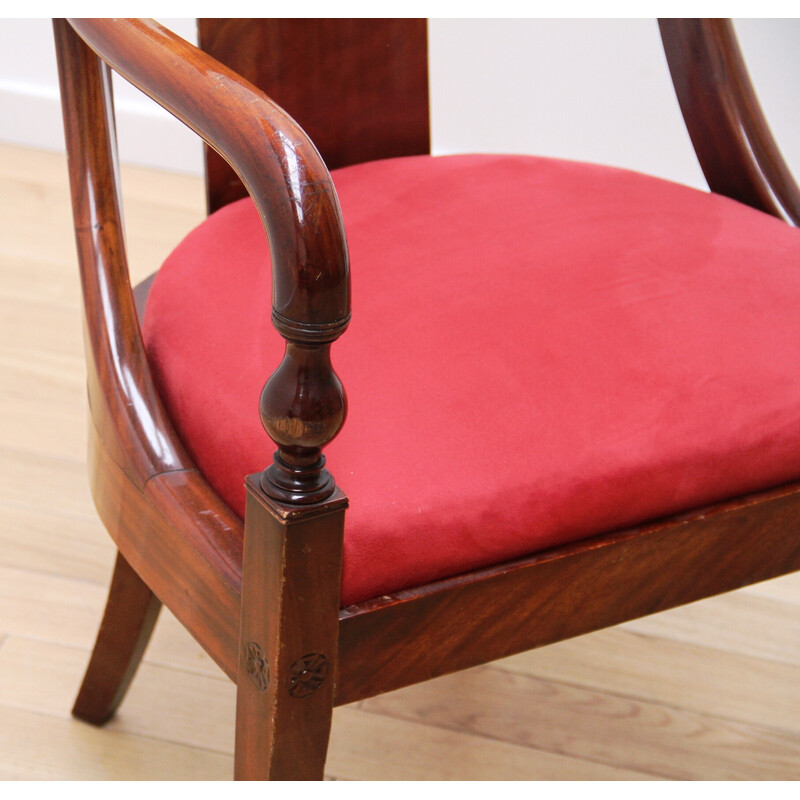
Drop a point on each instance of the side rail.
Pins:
(303, 403)
(731, 137)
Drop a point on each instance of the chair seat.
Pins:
(540, 351)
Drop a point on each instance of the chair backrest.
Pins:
(358, 87)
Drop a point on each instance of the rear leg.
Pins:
(130, 616)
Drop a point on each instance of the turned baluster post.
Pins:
(303, 406)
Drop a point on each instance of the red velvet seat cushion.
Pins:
(540, 351)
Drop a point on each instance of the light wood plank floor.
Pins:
(707, 691)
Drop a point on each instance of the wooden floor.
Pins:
(708, 691)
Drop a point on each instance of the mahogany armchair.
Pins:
(574, 390)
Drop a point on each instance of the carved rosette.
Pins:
(307, 674)
(257, 666)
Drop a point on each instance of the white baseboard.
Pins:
(30, 115)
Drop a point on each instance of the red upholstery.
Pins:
(540, 351)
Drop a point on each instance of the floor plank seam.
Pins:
(113, 729)
(755, 729)
(724, 648)
(183, 670)
(146, 660)
(707, 646)
(643, 698)
(513, 742)
(47, 454)
(88, 517)
(100, 584)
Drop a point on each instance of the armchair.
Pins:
(570, 402)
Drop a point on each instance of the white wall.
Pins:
(30, 111)
(595, 90)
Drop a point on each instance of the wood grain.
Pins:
(289, 635)
(55, 544)
(786, 590)
(657, 739)
(656, 668)
(280, 166)
(756, 626)
(388, 642)
(358, 87)
(33, 746)
(364, 745)
(128, 621)
(45, 675)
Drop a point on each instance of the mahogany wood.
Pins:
(151, 499)
(184, 543)
(358, 87)
(175, 533)
(731, 137)
(453, 624)
(289, 634)
(294, 194)
(125, 405)
(280, 166)
(128, 621)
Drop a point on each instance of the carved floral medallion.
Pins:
(307, 674)
(257, 666)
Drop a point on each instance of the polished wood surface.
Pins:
(358, 87)
(709, 690)
(731, 137)
(128, 622)
(182, 542)
(278, 163)
(156, 506)
(303, 405)
(289, 637)
(187, 546)
(566, 592)
(125, 405)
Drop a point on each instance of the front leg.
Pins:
(289, 636)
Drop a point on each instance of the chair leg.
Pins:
(283, 737)
(289, 637)
(130, 615)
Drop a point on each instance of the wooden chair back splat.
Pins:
(359, 88)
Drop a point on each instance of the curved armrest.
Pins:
(280, 166)
(731, 137)
(303, 404)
